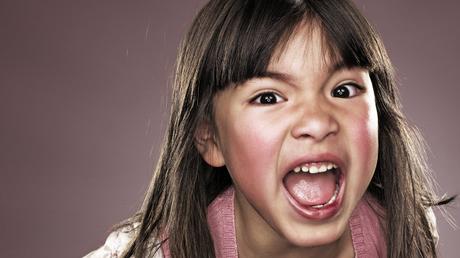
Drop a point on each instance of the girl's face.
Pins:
(307, 113)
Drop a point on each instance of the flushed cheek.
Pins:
(365, 136)
(250, 151)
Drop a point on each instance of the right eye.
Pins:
(267, 98)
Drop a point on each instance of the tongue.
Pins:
(311, 189)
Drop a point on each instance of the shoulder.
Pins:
(117, 243)
(367, 228)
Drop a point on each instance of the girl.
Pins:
(286, 139)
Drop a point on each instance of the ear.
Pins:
(208, 146)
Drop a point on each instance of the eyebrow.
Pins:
(285, 77)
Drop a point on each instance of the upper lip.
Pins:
(314, 158)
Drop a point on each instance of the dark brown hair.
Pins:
(231, 41)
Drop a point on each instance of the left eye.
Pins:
(346, 90)
(267, 98)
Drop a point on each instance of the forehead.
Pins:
(307, 48)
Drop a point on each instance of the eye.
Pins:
(267, 98)
(347, 90)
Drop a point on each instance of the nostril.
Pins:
(315, 127)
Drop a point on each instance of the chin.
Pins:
(316, 240)
(318, 234)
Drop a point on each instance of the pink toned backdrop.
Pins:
(83, 104)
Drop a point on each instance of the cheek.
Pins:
(365, 136)
(250, 148)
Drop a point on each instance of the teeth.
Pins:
(314, 170)
(317, 168)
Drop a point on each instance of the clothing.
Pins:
(367, 235)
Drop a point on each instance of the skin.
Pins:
(258, 141)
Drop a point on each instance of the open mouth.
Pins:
(314, 189)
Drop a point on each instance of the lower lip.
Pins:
(315, 213)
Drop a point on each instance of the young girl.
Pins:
(286, 139)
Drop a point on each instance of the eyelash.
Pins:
(257, 99)
(277, 98)
(356, 87)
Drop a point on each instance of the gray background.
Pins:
(83, 104)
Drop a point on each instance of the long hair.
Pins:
(231, 41)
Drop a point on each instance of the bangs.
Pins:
(252, 33)
(245, 39)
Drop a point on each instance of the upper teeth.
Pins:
(315, 167)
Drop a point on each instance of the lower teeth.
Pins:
(333, 198)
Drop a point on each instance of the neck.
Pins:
(253, 242)
(249, 249)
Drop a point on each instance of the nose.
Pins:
(315, 120)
